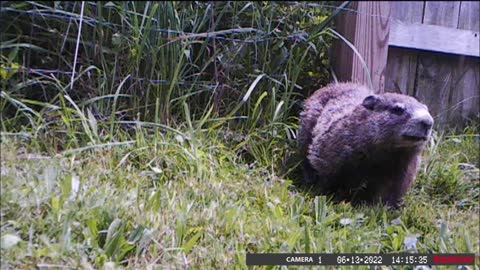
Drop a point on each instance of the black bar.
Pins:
(360, 259)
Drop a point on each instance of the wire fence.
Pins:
(93, 22)
(260, 36)
(43, 12)
(240, 35)
(69, 16)
(49, 72)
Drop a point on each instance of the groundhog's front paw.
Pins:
(395, 204)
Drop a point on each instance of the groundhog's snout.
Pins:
(420, 126)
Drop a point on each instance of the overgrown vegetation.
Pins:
(140, 61)
(176, 202)
(170, 145)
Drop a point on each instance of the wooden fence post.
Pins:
(367, 27)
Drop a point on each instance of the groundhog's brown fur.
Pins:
(360, 146)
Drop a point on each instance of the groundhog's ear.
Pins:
(370, 102)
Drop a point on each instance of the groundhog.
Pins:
(362, 147)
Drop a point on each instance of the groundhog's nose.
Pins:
(423, 119)
(426, 123)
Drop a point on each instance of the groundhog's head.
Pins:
(400, 120)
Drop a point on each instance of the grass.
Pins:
(172, 202)
(173, 143)
(144, 59)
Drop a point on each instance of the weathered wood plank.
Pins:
(465, 95)
(435, 38)
(407, 11)
(368, 31)
(402, 63)
(342, 56)
(401, 70)
(466, 100)
(469, 18)
(371, 40)
(434, 84)
(434, 73)
(442, 13)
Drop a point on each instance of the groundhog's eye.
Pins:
(398, 109)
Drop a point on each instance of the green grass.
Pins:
(174, 149)
(173, 202)
(144, 60)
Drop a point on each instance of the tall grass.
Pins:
(234, 64)
(163, 141)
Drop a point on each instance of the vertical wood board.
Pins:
(467, 86)
(345, 24)
(444, 13)
(371, 40)
(469, 18)
(402, 63)
(435, 70)
(367, 28)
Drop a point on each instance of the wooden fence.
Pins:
(426, 49)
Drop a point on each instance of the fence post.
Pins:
(367, 27)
